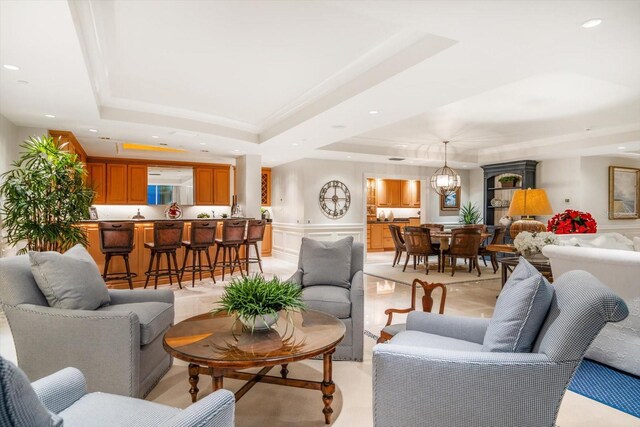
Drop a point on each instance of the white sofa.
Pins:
(618, 345)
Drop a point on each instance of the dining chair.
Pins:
(398, 243)
(465, 243)
(498, 239)
(418, 244)
(434, 228)
(389, 330)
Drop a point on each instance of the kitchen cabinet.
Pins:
(116, 184)
(221, 186)
(394, 192)
(72, 145)
(265, 187)
(213, 186)
(377, 242)
(267, 241)
(137, 184)
(410, 194)
(97, 180)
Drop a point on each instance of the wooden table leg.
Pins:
(327, 387)
(217, 376)
(193, 381)
(284, 371)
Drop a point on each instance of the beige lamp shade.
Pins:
(530, 202)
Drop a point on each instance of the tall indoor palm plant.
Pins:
(44, 196)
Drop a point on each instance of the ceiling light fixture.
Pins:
(622, 148)
(592, 23)
(348, 157)
(445, 181)
(51, 116)
(23, 82)
(11, 67)
(295, 144)
(93, 130)
(203, 143)
(155, 136)
(338, 126)
(373, 112)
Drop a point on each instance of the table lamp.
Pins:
(528, 203)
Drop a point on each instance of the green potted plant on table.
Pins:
(256, 302)
(44, 197)
(470, 214)
(509, 181)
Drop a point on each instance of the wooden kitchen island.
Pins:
(140, 257)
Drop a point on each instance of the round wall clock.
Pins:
(335, 199)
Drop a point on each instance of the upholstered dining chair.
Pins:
(398, 243)
(434, 228)
(445, 370)
(331, 277)
(390, 329)
(465, 243)
(62, 399)
(499, 233)
(418, 243)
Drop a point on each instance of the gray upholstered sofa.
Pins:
(346, 303)
(62, 399)
(118, 347)
(437, 373)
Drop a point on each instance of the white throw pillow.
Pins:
(636, 244)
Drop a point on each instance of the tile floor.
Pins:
(352, 402)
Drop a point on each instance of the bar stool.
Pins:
(167, 238)
(232, 237)
(116, 239)
(203, 236)
(255, 234)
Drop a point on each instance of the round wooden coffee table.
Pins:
(218, 345)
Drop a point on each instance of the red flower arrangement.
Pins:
(570, 221)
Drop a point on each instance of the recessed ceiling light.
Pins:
(373, 112)
(162, 143)
(587, 129)
(205, 151)
(236, 151)
(11, 67)
(400, 145)
(23, 82)
(464, 166)
(155, 136)
(203, 143)
(93, 130)
(338, 126)
(295, 144)
(348, 157)
(51, 116)
(592, 23)
(622, 148)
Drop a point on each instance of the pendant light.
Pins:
(445, 181)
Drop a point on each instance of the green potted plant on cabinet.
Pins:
(256, 302)
(509, 181)
(44, 197)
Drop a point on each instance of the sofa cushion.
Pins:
(70, 280)
(154, 317)
(104, 409)
(326, 263)
(19, 404)
(520, 311)
(602, 241)
(333, 300)
(636, 244)
(423, 339)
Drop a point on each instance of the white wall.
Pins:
(9, 147)
(585, 182)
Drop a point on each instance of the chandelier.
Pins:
(445, 181)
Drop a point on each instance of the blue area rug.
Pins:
(608, 386)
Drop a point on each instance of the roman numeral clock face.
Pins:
(335, 199)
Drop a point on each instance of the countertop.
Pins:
(391, 222)
(95, 221)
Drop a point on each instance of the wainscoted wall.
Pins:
(287, 237)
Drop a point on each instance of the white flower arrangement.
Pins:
(528, 243)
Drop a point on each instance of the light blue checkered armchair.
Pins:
(62, 399)
(435, 373)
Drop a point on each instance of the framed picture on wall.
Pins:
(624, 192)
(450, 202)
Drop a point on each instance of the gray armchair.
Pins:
(346, 304)
(436, 373)
(62, 399)
(118, 347)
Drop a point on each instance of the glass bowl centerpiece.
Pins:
(257, 302)
(530, 244)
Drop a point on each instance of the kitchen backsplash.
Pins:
(398, 212)
(155, 212)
